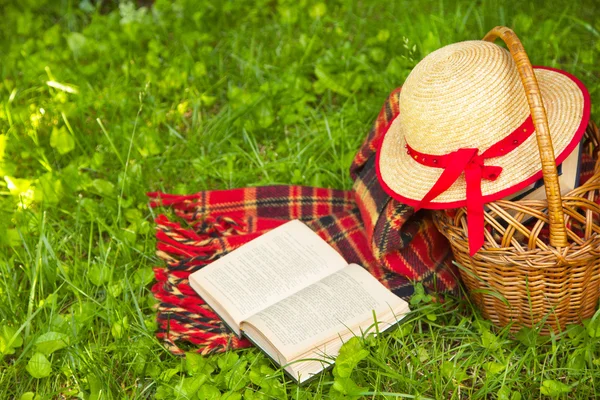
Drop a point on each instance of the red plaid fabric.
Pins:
(367, 227)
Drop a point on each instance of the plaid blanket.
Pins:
(367, 227)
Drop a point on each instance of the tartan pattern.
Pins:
(365, 225)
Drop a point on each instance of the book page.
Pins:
(339, 302)
(568, 178)
(265, 271)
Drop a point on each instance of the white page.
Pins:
(324, 310)
(568, 179)
(265, 271)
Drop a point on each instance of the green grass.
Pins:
(100, 104)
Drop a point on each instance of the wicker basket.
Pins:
(540, 264)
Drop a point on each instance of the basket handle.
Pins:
(558, 232)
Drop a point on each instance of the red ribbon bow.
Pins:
(471, 163)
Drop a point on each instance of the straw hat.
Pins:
(465, 127)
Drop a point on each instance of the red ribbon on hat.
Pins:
(472, 164)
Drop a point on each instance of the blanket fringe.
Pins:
(182, 315)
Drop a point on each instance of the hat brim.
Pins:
(567, 104)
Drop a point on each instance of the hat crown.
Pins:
(465, 95)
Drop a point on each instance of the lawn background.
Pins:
(102, 102)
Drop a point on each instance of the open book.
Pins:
(292, 295)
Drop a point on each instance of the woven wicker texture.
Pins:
(540, 263)
(441, 112)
